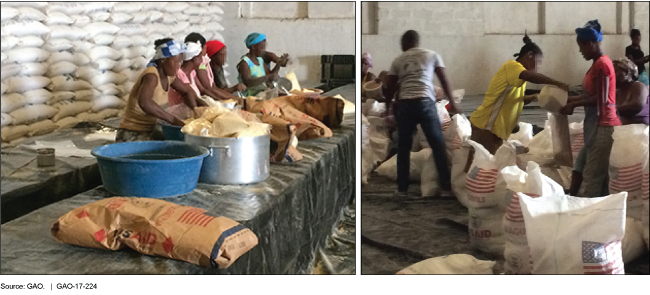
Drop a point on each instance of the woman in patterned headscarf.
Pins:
(252, 71)
(150, 91)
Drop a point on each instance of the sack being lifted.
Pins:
(156, 227)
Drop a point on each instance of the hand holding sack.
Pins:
(156, 227)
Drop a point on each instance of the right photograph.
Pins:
(504, 138)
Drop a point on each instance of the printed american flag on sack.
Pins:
(600, 258)
(625, 179)
(482, 181)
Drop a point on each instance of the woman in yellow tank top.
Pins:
(150, 91)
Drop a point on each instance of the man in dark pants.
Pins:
(412, 73)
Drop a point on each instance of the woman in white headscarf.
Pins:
(185, 88)
(143, 108)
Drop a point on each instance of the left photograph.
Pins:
(178, 138)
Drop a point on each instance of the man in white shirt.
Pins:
(411, 75)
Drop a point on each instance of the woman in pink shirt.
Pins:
(204, 73)
(590, 176)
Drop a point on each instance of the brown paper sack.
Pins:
(281, 134)
(307, 127)
(156, 227)
(328, 110)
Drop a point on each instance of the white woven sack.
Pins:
(103, 52)
(67, 83)
(58, 18)
(4, 87)
(127, 7)
(86, 95)
(9, 42)
(67, 32)
(10, 70)
(133, 52)
(109, 89)
(8, 13)
(30, 41)
(69, 108)
(82, 46)
(55, 45)
(60, 56)
(99, 16)
(93, 7)
(107, 102)
(6, 119)
(99, 28)
(61, 68)
(154, 15)
(81, 20)
(571, 235)
(24, 28)
(61, 95)
(629, 153)
(104, 64)
(193, 10)
(103, 39)
(11, 102)
(68, 8)
(106, 77)
(168, 18)
(37, 96)
(122, 42)
(121, 65)
(388, 169)
(119, 18)
(175, 7)
(22, 84)
(25, 55)
(139, 18)
(132, 30)
(32, 114)
(139, 63)
(81, 59)
(29, 13)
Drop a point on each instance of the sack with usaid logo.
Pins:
(156, 227)
(486, 197)
(535, 185)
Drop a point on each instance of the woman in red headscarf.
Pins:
(217, 52)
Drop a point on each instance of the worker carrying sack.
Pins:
(571, 235)
(156, 227)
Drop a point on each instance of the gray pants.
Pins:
(595, 159)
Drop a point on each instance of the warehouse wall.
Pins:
(476, 38)
(305, 30)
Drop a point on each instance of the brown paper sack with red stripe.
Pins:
(281, 134)
(156, 227)
(328, 109)
(307, 127)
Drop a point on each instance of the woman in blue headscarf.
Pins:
(253, 72)
(590, 178)
(150, 91)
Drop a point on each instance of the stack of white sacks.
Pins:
(65, 63)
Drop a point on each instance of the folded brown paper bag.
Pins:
(156, 227)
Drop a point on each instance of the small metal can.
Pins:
(45, 157)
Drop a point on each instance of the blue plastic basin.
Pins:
(150, 169)
(172, 132)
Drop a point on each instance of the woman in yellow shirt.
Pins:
(493, 122)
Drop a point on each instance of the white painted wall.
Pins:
(476, 38)
(305, 30)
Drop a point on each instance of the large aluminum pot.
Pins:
(234, 160)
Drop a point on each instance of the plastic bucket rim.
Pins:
(205, 153)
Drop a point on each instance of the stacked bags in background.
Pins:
(64, 63)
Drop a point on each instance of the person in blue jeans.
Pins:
(412, 73)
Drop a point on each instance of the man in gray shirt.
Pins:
(411, 74)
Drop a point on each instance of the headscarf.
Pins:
(193, 49)
(590, 32)
(213, 46)
(165, 50)
(366, 56)
(628, 67)
(254, 38)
